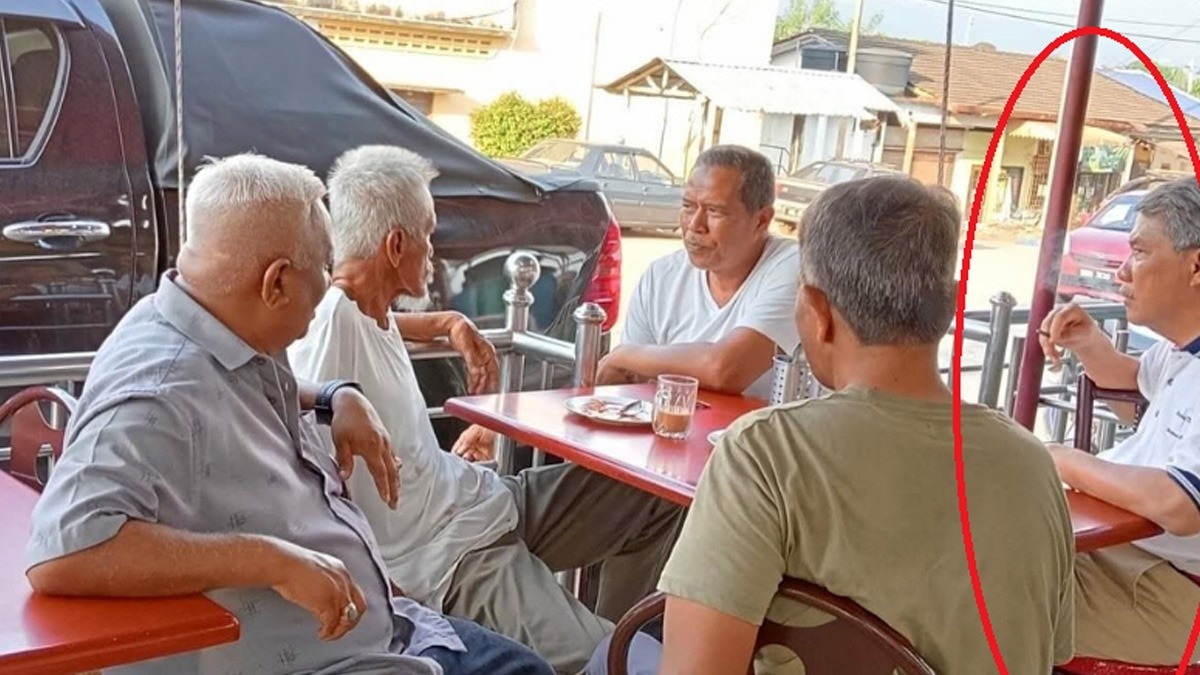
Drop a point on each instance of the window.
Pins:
(33, 60)
(616, 165)
(1119, 214)
(649, 170)
(558, 153)
(809, 172)
(833, 174)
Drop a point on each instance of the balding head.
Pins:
(257, 246)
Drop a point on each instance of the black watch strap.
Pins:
(324, 405)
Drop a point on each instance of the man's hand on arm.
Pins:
(699, 640)
(1151, 493)
(729, 365)
(357, 430)
(483, 370)
(151, 560)
(1069, 327)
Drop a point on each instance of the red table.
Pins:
(42, 635)
(671, 469)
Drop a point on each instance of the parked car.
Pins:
(1096, 250)
(644, 194)
(89, 180)
(794, 193)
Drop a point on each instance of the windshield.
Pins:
(558, 154)
(1119, 214)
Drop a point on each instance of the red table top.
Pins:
(43, 634)
(671, 469)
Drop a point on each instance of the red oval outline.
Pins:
(969, 244)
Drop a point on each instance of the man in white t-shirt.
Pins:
(463, 539)
(720, 309)
(1135, 603)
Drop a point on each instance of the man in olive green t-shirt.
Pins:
(856, 491)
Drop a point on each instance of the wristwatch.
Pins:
(324, 405)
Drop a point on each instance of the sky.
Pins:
(926, 20)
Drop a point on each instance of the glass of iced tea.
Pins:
(674, 405)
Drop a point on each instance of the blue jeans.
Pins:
(487, 653)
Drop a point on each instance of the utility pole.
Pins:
(851, 58)
(945, 94)
(855, 26)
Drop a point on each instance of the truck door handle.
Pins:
(57, 235)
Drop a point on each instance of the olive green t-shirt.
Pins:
(856, 493)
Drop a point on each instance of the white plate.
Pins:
(607, 410)
(715, 436)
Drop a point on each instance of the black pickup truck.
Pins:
(88, 166)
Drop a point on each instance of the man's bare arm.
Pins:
(426, 326)
(1149, 492)
(699, 640)
(147, 559)
(151, 560)
(729, 365)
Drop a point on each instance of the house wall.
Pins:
(558, 46)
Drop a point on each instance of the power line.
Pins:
(1044, 22)
(972, 4)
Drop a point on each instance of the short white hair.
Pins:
(373, 190)
(248, 209)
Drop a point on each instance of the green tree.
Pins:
(511, 124)
(1174, 75)
(802, 15)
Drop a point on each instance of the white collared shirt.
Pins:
(1168, 437)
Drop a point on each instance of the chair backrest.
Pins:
(1085, 404)
(30, 431)
(856, 641)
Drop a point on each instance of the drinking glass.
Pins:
(675, 405)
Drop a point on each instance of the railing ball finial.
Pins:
(522, 269)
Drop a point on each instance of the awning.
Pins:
(1046, 131)
(764, 89)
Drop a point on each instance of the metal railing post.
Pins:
(1014, 372)
(999, 325)
(523, 270)
(1107, 431)
(589, 333)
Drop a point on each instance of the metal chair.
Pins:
(31, 431)
(856, 641)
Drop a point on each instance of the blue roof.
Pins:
(1144, 84)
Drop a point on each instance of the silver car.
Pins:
(644, 194)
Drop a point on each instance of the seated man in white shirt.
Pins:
(1135, 603)
(721, 308)
(464, 539)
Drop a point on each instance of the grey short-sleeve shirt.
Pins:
(184, 424)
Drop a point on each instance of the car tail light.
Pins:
(605, 288)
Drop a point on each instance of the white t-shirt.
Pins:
(1168, 437)
(672, 304)
(448, 506)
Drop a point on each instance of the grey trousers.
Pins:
(569, 518)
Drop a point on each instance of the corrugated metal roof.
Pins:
(1145, 84)
(766, 89)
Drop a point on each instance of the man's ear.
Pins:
(274, 296)
(765, 217)
(819, 314)
(393, 247)
(1193, 258)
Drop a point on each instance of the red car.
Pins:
(1096, 250)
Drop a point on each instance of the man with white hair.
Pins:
(464, 539)
(191, 468)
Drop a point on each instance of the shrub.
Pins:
(510, 125)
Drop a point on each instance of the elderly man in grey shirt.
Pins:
(190, 466)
